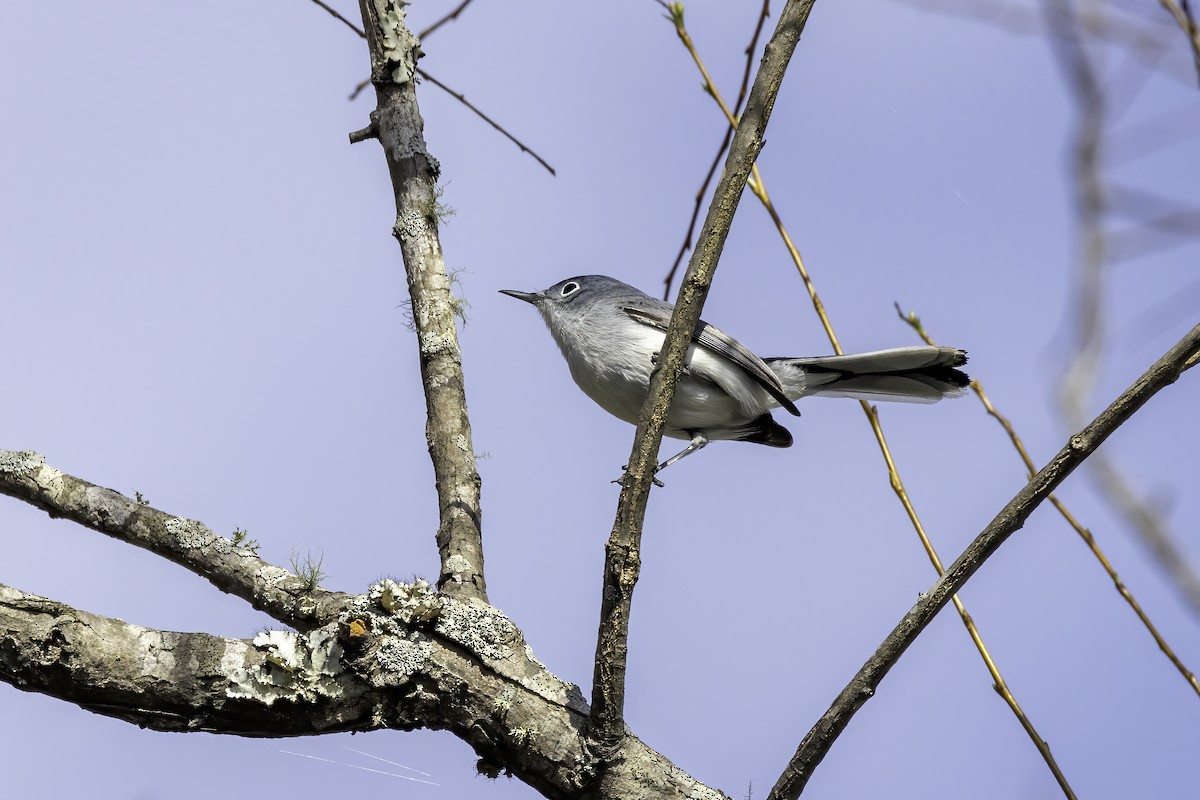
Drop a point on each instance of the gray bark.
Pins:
(399, 656)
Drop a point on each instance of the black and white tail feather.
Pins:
(904, 374)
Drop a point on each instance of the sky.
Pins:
(203, 303)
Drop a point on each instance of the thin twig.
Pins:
(1090, 540)
(1187, 23)
(485, 118)
(897, 484)
(699, 201)
(453, 15)
(342, 19)
(862, 687)
(456, 95)
(737, 106)
(622, 553)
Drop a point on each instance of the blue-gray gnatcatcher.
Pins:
(611, 334)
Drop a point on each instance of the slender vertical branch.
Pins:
(622, 553)
(1011, 518)
(397, 124)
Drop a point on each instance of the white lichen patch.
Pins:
(414, 602)
(271, 575)
(192, 534)
(400, 47)
(299, 667)
(434, 343)
(410, 224)
(402, 656)
(458, 565)
(20, 461)
(27, 463)
(478, 627)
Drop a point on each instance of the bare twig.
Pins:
(1090, 540)
(699, 201)
(816, 744)
(1187, 23)
(751, 49)
(622, 553)
(896, 482)
(453, 15)
(342, 19)
(460, 98)
(414, 177)
(369, 133)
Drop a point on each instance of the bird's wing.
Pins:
(724, 345)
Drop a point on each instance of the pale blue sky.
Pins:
(203, 303)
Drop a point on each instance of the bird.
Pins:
(610, 334)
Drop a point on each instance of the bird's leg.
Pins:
(697, 443)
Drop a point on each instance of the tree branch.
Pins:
(401, 657)
(622, 553)
(288, 598)
(169, 681)
(394, 53)
(1011, 518)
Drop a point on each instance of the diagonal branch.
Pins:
(288, 598)
(451, 17)
(460, 97)
(622, 552)
(400, 129)
(1088, 538)
(1011, 518)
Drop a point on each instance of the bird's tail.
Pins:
(907, 374)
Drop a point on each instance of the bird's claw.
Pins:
(625, 476)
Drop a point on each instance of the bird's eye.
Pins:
(569, 288)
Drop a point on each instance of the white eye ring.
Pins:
(569, 288)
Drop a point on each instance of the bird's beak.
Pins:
(528, 297)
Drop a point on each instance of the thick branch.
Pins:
(394, 53)
(236, 570)
(401, 657)
(622, 556)
(162, 680)
(1011, 518)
